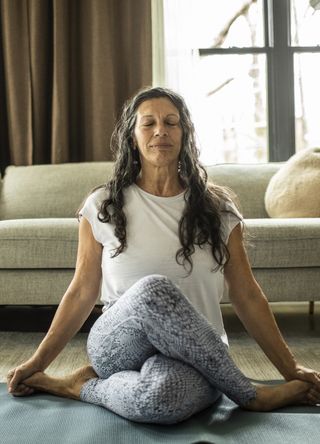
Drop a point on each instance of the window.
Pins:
(250, 73)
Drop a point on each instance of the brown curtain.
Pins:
(66, 67)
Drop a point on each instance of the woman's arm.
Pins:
(73, 310)
(252, 308)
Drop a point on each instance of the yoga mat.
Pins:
(43, 418)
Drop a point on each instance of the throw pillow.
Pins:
(294, 190)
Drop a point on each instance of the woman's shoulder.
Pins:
(228, 209)
(230, 218)
(98, 194)
(225, 199)
(229, 205)
(92, 202)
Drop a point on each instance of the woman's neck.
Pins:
(161, 186)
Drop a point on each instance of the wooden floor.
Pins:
(301, 331)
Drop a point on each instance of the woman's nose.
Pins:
(161, 130)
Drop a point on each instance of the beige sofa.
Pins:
(38, 232)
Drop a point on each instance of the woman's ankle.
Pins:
(272, 397)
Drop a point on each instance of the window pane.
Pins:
(307, 99)
(305, 23)
(213, 24)
(230, 114)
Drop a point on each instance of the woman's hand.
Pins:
(305, 374)
(17, 375)
(308, 375)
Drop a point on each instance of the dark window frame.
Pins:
(280, 76)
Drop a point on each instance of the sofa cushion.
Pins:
(284, 243)
(52, 243)
(34, 286)
(248, 182)
(38, 243)
(40, 191)
(287, 284)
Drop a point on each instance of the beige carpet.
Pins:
(301, 331)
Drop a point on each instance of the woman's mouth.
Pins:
(161, 145)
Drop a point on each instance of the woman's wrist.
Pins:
(46, 352)
(38, 362)
(290, 372)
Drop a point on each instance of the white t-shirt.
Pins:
(152, 243)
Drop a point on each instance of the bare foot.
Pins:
(67, 386)
(272, 397)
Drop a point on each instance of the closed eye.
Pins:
(166, 123)
(147, 122)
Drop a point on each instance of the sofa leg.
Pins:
(311, 307)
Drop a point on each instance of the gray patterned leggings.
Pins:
(157, 359)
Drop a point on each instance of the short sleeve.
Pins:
(90, 211)
(230, 218)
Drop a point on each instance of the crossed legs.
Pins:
(155, 359)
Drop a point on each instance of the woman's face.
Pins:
(158, 133)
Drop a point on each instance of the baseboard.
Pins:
(35, 318)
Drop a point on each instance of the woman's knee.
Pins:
(160, 396)
(160, 407)
(155, 407)
(160, 289)
(155, 282)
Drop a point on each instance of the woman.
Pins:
(163, 240)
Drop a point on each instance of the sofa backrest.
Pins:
(248, 182)
(41, 191)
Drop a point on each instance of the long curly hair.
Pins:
(200, 223)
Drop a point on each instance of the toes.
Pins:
(29, 391)
(23, 390)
